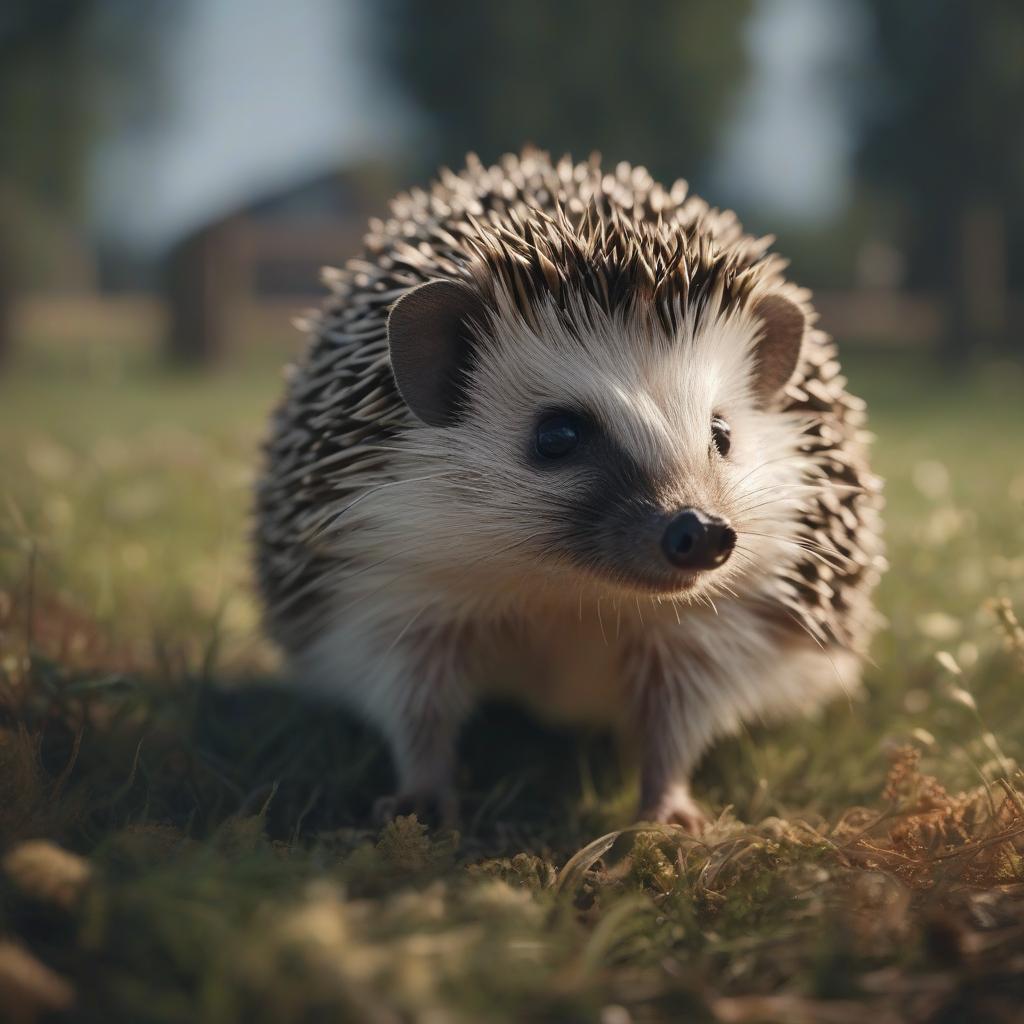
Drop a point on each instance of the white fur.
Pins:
(455, 593)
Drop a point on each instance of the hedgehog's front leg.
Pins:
(671, 730)
(424, 703)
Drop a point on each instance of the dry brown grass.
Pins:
(181, 847)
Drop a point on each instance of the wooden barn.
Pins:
(271, 248)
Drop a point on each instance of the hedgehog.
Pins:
(568, 437)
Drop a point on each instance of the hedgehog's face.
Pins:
(639, 462)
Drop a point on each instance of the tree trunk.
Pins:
(978, 296)
(200, 295)
(984, 255)
(6, 307)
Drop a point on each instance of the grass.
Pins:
(185, 841)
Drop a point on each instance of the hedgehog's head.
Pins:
(637, 453)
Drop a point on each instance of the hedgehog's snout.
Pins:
(696, 540)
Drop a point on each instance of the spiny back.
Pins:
(530, 226)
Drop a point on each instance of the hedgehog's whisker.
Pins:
(783, 537)
(785, 487)
(803, 542)
(815, 421)
(734, 485)
(815, 482)
(807, 477)
(815, 488)
(782, 502)
(835, 668)
(803, 625)
(600, 622)
(405, 629)
(835, 566)
(780, 494)
(752, 563)
(722, 585)
(741, 552)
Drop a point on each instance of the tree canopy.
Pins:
(650, 83)
(941, 138)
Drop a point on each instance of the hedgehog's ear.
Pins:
(780, 341)
(429, 338)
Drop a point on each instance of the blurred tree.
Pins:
(6, 328)
(30, 121)
(42, 102)
(63, 68)
(943, 139)
(650, 82)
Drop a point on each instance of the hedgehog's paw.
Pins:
(676, 807)
(440, 808)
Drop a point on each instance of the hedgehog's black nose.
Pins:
(696, 540)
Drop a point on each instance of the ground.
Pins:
(184, 841)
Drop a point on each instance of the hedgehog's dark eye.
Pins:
(721, 435)
(558, 435)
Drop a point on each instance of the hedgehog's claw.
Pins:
(677, 807)
(440, 809)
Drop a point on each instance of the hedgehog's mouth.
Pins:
(634, 582)
(678, 584)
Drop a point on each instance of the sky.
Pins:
(789, 150)
(256, 92)
(259, 91)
